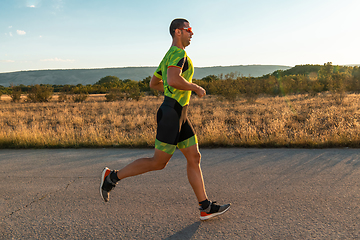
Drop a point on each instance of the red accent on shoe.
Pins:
(203, 214)
(108, 171)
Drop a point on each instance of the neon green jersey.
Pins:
(176, 57)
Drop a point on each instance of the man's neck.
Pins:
(178, 44)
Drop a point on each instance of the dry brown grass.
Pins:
(292, 121)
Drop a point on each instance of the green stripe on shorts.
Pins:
(188, 142)
(165, 147)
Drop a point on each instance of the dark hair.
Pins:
(175, 24)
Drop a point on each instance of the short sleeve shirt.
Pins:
(176, 57)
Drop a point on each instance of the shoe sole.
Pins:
(213, 215)
(102, 182)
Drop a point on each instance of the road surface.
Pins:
(275, 193)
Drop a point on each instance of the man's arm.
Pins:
(156, 83)
(175, 80)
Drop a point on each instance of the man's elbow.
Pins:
(151, 85)
(171, 83)
(153, 82)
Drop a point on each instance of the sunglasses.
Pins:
(189, 29)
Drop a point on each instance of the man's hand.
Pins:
(156, 84)
(200, 92)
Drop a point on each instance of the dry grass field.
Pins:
(291, 121)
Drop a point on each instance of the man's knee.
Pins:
(159, 165)
(160, 162)
(195, 158)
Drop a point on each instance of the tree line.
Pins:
(300, 79)
(310, 79)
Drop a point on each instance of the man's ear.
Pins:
(177, 31)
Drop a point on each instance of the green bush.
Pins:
(80, 97)
(132, 90)
(252, 89)
(226, 89)
(40, 93)
(337, 87)
(80, 92)
(109, 82)
(15, 94)
(115, 95)
(63, 97)
(155, 93)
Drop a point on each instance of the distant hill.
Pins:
(302, 70)
(310, 68)
(91, 76)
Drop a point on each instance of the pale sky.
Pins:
(71, 34)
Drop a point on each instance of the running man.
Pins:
(174, 78)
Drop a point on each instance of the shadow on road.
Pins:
(186, 233)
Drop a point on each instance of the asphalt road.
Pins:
(275, 193)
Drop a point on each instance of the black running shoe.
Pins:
(106, 184)
(213, 210)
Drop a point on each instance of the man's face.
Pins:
(186, 34)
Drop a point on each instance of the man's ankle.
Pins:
(113, 177)
(205, 204)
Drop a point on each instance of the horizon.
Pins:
(57, 69)
(63, 34)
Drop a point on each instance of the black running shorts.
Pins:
(173, 127)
